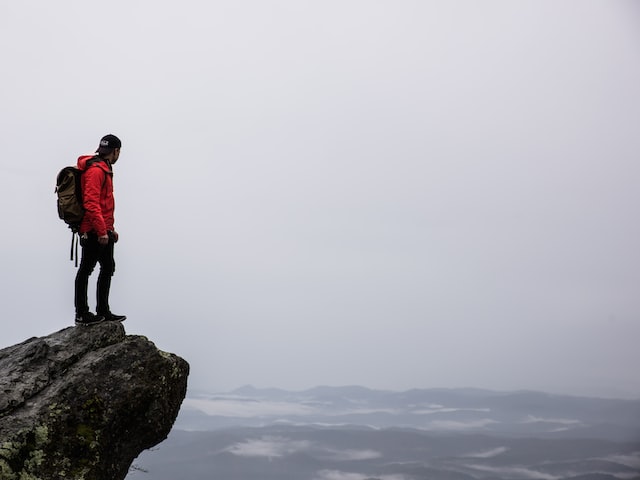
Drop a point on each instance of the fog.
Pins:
(393, 194)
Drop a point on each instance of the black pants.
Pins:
(92, 254)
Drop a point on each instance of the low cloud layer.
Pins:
(244, 408)
(494, 452)
(338, 475)
(460, 425)
(273, 447)
(269, 447)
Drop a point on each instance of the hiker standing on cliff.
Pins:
(97, 235)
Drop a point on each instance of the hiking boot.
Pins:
(88, 318)
(112, 317)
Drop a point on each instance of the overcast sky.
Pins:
(397, 194)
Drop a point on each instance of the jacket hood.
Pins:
(83, 159)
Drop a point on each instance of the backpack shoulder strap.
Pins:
(92, 161)
(95, 161)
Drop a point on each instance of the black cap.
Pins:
(108, 143)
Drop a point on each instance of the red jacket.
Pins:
(97, 191)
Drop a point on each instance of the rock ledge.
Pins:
(84, 402)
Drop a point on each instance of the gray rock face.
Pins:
(84, 402)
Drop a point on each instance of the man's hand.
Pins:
(103, 239)
(115, 236)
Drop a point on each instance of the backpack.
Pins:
(70, 204)
(69, 191)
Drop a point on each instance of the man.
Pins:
(97, 235)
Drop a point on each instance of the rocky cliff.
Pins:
(84, 402)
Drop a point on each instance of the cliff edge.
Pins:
(84, 402)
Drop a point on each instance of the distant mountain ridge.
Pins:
(355, 433)
(519, 413)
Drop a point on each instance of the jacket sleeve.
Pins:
(93, 181)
